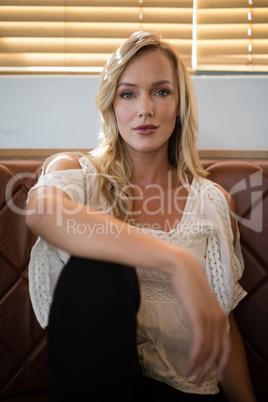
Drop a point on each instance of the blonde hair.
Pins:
(111, 158)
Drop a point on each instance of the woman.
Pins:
(139, 200)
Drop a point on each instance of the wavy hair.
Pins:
(110, 157)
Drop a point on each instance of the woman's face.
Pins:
(146, 102)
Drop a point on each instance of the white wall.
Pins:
(60, 112)
(233, 112)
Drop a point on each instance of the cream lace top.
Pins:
(164, 336)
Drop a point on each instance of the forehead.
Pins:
(150, 62)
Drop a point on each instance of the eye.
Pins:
(126, 95)
(162, 92)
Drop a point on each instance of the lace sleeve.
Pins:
(70, 181)
(224, 262)
(47, 261)
(45, 266)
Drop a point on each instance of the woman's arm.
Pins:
(236, 384)
(86, 232)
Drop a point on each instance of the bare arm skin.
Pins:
(133, 248)
(236, 384)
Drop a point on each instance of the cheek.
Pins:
(122, 115)
(170, 115)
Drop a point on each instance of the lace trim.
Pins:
(39, 283)
(224, 267)
(188, 385)
(216, 274)
(157, 291)
(175, 235)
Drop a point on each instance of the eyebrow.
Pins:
(129, 84)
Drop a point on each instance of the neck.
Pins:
(152, 169)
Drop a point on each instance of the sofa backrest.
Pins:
(24, 366)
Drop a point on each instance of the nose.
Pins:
(146, 108)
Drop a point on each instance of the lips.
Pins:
(145, 129)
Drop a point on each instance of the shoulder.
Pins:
(215, 190)
(227, 196)
(231, 205)
(218, 193)
(62, 161)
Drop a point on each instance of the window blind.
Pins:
(77, 36)
(232, 35)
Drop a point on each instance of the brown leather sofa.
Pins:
(24, 372)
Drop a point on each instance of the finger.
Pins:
(210, 347)
(217, 356)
